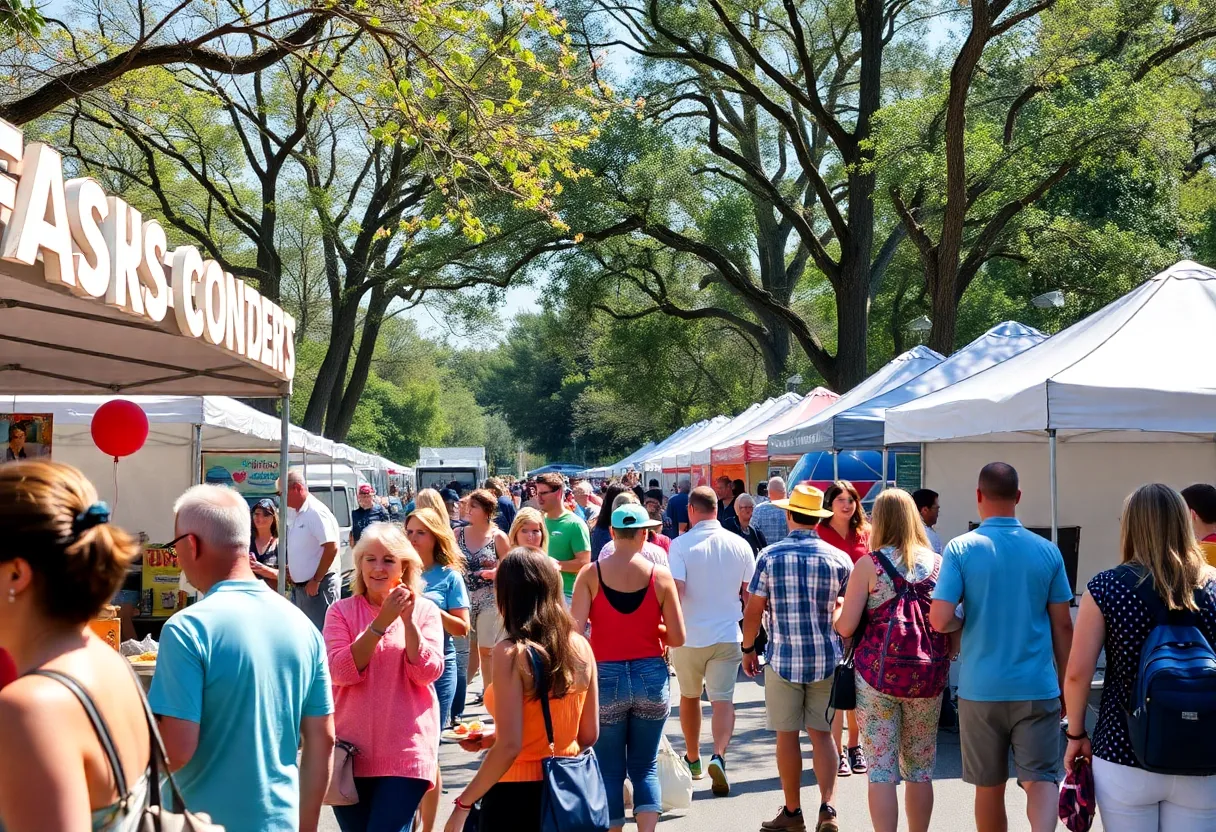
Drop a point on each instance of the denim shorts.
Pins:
(639, 688)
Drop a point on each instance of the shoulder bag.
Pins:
(341, 791)
(154, 817)
(573, 797)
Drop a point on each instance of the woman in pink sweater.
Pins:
(385, 647)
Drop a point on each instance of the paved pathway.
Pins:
(755, 788)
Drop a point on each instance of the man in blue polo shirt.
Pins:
(677, 508)
(1017, 632)
(241, 678)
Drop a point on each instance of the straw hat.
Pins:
(805, 499)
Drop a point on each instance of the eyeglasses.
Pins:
(545, 493)
(172, 544)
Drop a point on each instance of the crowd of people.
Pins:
(576, 605)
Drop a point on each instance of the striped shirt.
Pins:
(802, 577)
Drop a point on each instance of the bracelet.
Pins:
(379, 633)
(747, 650)
(1084, 736)
(463, 806)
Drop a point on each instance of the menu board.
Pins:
(253, 475)
(161, 578)
(907, 471)
(26, 436)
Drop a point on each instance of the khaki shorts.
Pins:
(988, 730)
(793, 707)
(715, 668)
(488, 627)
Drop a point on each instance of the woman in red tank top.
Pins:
(634, 612)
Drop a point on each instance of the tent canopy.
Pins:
(653, 459)
(1114, 376)
(861, 426)
(751, 444)
(742, 423)
(816, 433)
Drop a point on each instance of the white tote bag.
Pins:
(675, 780)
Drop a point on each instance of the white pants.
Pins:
(1135, 800)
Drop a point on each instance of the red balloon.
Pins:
(119, 428)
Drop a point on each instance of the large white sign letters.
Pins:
(99, 247)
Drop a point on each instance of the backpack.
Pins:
(1171, 714)
(900, 655)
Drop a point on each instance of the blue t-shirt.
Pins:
(677, 509)
(247, 666)
(1005, 575)
(506, 514)
(446, 588)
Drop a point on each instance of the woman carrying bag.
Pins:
(545, 705)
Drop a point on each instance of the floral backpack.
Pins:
(900, 654)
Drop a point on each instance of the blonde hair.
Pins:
(1156, 533)
(528, 515)
(429, 498)
(897, 523)
(447, 553)
(393, 540)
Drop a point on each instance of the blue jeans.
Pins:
(462, 676)
(634, 703)
(386, 804)
(445, 689)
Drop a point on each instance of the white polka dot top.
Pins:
(1128, 623)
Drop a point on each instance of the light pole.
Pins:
(920, 327)
(792, 383)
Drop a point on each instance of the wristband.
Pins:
(747, 650)
(379, 633)
(1084, 736)
(462, 806)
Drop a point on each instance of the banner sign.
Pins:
(161, 582)
(253, 475)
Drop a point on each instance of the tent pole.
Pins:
(1055, 497)
(884, 470)
(284, 461)
(196, 454)
(835, 465)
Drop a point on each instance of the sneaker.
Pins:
(694, 768)
(717, 773)
(785, 822)
(827, 820)
(857, 760)
(844, 769)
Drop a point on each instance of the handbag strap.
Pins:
(159, 758)
(99, 726)
(541, 683)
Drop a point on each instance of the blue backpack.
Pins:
(1171, 715)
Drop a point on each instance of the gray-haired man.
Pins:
(770, 520)
(312, 551)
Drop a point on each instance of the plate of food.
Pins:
(474, 730)
(143, 660)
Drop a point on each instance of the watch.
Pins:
(751, 649)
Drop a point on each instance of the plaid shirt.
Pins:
(772, 521)
(802, 577)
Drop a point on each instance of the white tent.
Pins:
(653, 460)
(1124, 397)
(816, 433)
(741, 424)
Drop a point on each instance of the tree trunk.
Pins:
(332, 372)
(852, 316)
(345, 414)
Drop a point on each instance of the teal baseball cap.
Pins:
(632, 516)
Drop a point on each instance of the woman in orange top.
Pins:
(508, 783)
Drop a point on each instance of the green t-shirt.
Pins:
(567, 535)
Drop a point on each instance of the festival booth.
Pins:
(606, 471)
(681, 462)
(652, 463)
(815, 434)
(744, 456)
(94, 301)
(1121, 398)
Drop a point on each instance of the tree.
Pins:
(1091, 81)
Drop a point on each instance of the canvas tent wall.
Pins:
(816, 433)
(654, 460)
(1086, 416)
(745, 455)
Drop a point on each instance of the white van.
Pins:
(339, 494)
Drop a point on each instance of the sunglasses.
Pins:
(172, 544)
(546, 492)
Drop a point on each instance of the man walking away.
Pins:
(725, 489)
(800, 583)
(241, 680)
(677, 508)
(711, 567)
(741, 523)
(769, 518)
(1009, 690)
(927, 504)
(1201, 500)
(312, 551)
(569, 540)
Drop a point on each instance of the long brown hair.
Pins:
(898, 524)
(77, 565)
(534, 614)
(1156, 533)
(446, 553)
(858, 522)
